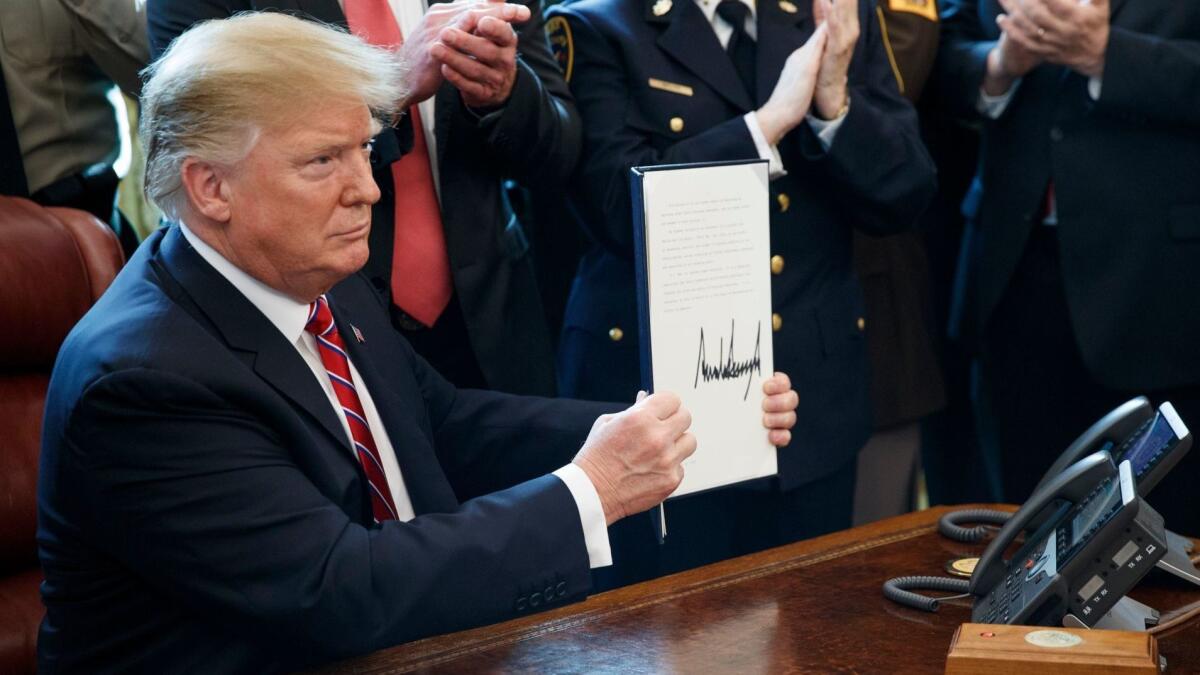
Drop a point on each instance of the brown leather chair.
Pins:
(54, 263)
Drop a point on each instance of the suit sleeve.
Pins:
(1154, 78)
(612, 146)
(168, 19)
(962, 57)
(536, 135)
(488, 441)
(204, 502)
(877, 163)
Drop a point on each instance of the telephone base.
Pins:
(1127, 614)
(1176, 561)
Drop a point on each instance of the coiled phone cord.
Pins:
(897, 590)
(951, 524)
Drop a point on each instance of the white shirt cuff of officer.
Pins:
(826, 130)
(765, 150)
(591, 514)
(992, 107)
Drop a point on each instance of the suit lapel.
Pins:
(423, 476)
(690, 40)
(779, 34)
(244, 328)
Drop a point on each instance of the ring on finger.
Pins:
(1041, 32)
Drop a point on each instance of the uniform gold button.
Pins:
(776, 264)
(677, 124)
(776, 322)
(862, 324)
(785, 202)
(615, 334)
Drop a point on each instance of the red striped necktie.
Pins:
(421, 283)
(337, 365)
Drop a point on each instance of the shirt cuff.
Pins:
(993, 107)
(826, 130)
(591, 514)
(765, 150)
(1094, 88)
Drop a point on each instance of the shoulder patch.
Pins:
(562, 44)
(925, 8)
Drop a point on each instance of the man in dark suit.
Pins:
(675, 81)
(245, 468)
(492, 333)
(1079, 278)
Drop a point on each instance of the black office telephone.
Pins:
(1089, 535)
(1090, 550)
(1152, 442)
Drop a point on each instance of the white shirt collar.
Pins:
(709, 7)
(285, 313)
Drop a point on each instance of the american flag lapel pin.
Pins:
(357, 333)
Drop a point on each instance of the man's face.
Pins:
(300, 202)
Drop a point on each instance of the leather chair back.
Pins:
(54, 264)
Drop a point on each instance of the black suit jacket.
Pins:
(1124, 170)
(200, 508)
(534, 139)
(876, 177)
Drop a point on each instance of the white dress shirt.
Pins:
(290, 316)
(826, 129)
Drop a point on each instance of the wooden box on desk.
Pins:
(979, 648)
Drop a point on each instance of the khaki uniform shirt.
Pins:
(60, 58)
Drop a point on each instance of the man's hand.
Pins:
(481, 61)
(633, 458)
(442, 29)
(1007, 62)
(779, 409)
(793, 93)
(841, 17)
(1072, 33)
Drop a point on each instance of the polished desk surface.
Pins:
(814, 606)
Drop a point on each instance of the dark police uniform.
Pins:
(654, 86)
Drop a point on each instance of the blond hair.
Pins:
(222, 82)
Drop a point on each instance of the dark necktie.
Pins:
(12, 169)
(741, 48)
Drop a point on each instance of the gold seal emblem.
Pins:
(962, 567)
(662, 7)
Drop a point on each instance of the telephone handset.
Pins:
(1083, 558)
(1073, 483)
(1154, 443)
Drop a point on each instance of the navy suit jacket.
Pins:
(1125, 172)
(533, 139)
(200, 509)
(876, 176)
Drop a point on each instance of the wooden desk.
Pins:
(814, 606)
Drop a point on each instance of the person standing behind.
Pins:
(457, 274)
(906, 380)
(1079, 278)
(677, 81)
(58, 131)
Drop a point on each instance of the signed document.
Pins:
(702, 239)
